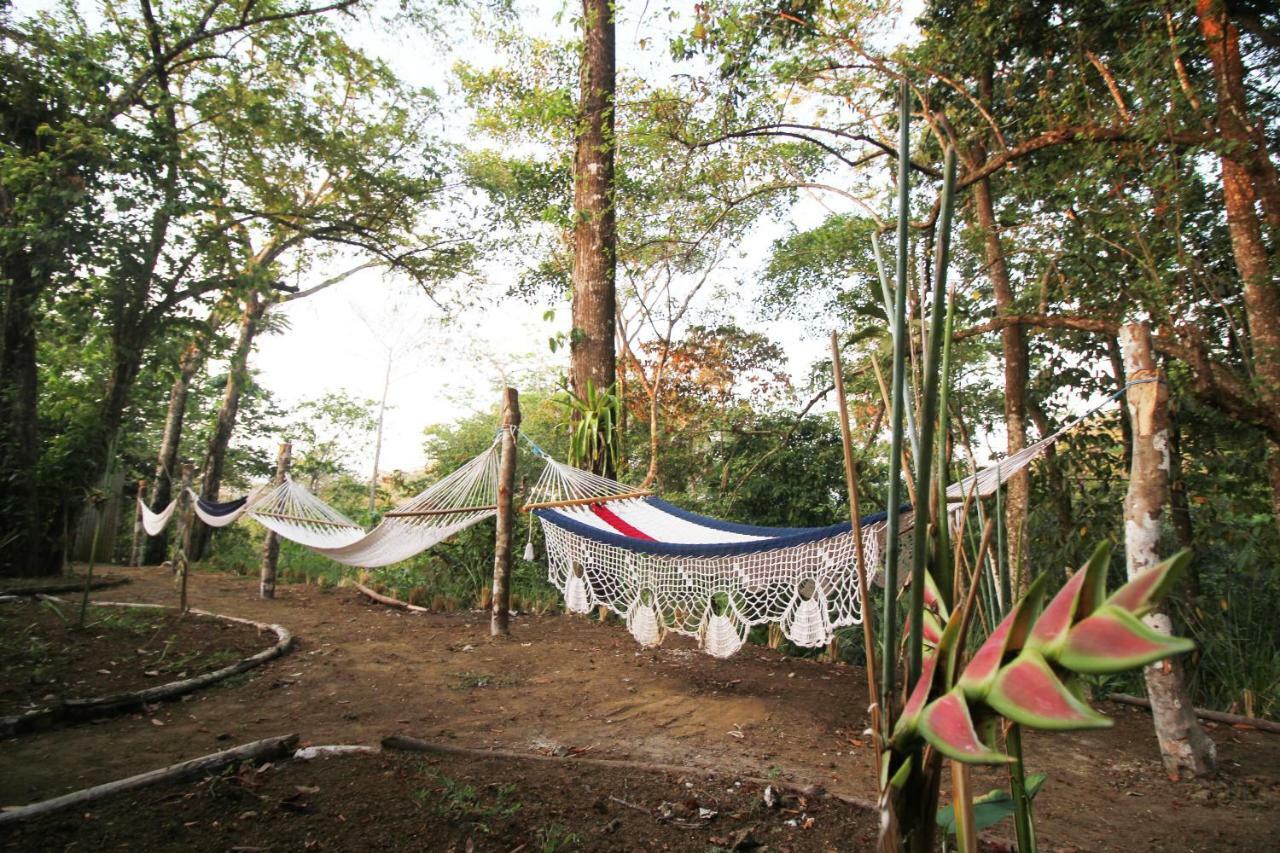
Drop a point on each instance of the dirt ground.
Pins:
(362, 671)
(399, 801)
(46, 659)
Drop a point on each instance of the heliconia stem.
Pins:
(1023, 821)
(962, 805)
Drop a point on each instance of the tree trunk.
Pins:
(87, 460)
(1186, 749)
(186, 516)
(216, 455)
(1179, 506)
(271, 546)
(1248, 177)
(167, 459)
(377, 445)
(19, 442)
(1056, 479)
(139, 535)
(591, 342)
(499, 620)
(1117, 370)
(1014, 343)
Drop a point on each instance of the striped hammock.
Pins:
(665, 569)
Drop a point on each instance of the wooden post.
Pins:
(498, 622)
(135, 548)
(181, 564)
(855, 517)
(1186, 749)
(271, 547)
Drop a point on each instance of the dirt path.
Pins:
(362, 671)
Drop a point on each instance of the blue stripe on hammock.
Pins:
(221, 508)
(787, 537)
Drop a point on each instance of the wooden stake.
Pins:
(271, 547)
(855, 514)
(500, 617)
(181, 563)
(135, 548)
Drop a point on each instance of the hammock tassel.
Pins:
(528, 551)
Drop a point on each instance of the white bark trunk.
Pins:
(1185, 748)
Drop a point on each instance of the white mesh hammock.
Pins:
(463, 498)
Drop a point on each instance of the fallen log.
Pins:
(259, 750)
(64, 586)
(310, 753)
(387, 600)
(413, 744)
(1206, 714)
(73, 710)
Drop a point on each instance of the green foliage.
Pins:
(592, 421)
(455, 800)
(327, 432)
(991, 808)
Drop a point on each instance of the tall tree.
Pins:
(1251, 195)
(592, 353)
(1186, 749)
(108, 93)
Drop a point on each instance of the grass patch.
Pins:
(475, 680)
(461, 801)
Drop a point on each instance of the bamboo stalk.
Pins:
(886, 295)
(855, 513)
(944, 445)
(890, 675)
(928, 427)
(904, 460)
(643, 493)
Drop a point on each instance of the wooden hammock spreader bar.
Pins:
(303, 520)
(416, 513)
(584, 501)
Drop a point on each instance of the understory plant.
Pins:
(592, 421)
(1030, 657)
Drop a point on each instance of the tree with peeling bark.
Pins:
(1184, 746)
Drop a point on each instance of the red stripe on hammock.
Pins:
(615, 521)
